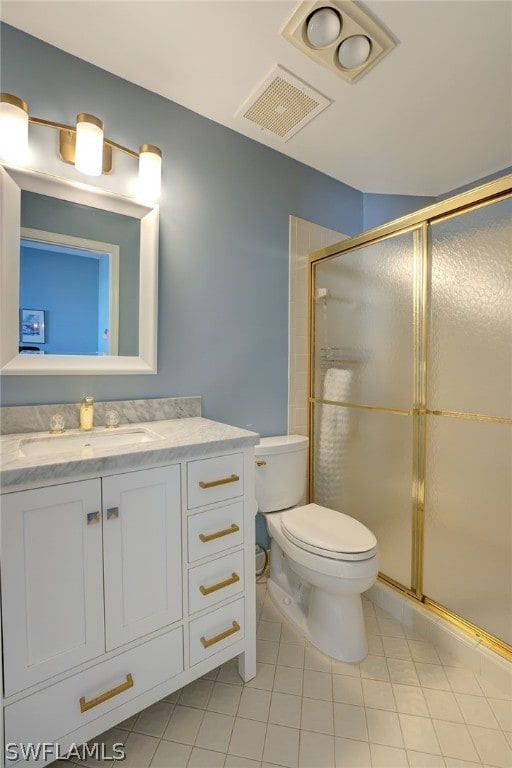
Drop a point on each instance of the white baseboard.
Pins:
(455, 647)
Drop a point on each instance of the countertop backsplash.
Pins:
(36, 418)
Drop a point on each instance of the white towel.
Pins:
(332, 438)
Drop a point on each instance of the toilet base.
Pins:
(332, 623)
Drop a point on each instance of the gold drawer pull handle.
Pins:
(211, 536)
(222, 481)
(261, 463)
(85, 706)
(206, 643)
(227, 583)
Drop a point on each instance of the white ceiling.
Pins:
(435, 114)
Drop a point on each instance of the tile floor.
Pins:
(400, 707)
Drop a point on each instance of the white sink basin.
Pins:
(83, 444)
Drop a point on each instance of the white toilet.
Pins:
(321, 560)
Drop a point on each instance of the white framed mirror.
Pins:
(127, 322)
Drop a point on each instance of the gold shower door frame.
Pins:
(418, 223)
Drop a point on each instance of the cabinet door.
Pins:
(142, 552)
(52, 581)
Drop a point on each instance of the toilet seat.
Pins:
(328, 533)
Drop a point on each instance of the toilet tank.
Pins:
(281, 480)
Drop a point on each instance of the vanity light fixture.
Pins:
(340, 35)
(83, 145)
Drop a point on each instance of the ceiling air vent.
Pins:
(282, 104)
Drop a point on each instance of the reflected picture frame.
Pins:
(32, 326)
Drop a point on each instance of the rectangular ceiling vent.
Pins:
(282, 104)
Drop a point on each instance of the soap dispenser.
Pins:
(87, 413)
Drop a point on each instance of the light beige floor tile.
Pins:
(269, 611)
(350, 722)
(403, 672)
(503, 712)
(442, 705)
(396, 648)
(463, 681)
(452, 762)
(372, 626)
(254, 704)
(349, 753)
(196, 694)
(374, 668)
(285, 709)
(173, 697)
(291, 635)
(128, 723)
(317, 716)
(388, 757)
(264, 677)
(378, 695)
(106, 740)
(281, 746)
(384, 728)
(317, 685)
(423, 651)
(347, 690)
(390, 627)
(289, 680)
(170, 754)
(418, 734)
(233, 761)
(432, 676)
(228, 673)
(247, 739)
(267, 651)
(423, 760)
(184, 724)
(291, 655)
(215, 732)
(205, 758)
(490, 689)
(316, 750)
(492, 746)
(455, 741)
(476, 710)
(315, 659)
(410, 700)
(211, 675)
(153, 720)
(224, 698)
(375, 647)
(139, 750)
(345, 668)
(269, 630)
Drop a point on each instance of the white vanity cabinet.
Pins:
(120, 589)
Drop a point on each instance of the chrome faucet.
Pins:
(87, 413)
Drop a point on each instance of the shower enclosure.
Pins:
(411, 401)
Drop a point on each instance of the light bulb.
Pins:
(89, 145)
(323, 27)
(354, 51)
(13, 128)
(150, 172)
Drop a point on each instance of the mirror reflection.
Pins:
(79, 266)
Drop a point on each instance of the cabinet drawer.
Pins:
(215, 631)
(47, 715)
(215, 530)
(215, 479)
(215, 581)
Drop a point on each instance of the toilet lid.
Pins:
(328, 533)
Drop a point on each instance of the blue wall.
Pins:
(223, 267)
(71, 320)
(379, 209)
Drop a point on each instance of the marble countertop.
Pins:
(177, 439)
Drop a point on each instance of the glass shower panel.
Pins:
(363, 323)
(470, 358)
(362, 467)
(468, 528)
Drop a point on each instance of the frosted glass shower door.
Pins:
(364, 335)
(468, 504)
